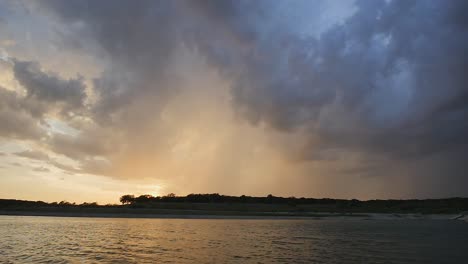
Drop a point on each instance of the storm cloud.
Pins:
(389, 79)
(23, 114)
(358, 90)
(48, 87)
(16, 117)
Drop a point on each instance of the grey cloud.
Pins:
(42, 156)
(401, 85)
(386, 82)
(66, 168)
(18, 124)
(22, 117)
(47, 86)
(15, 102)
(386, 67)
(41, 169)
(99, 167)
(136, 37)
(87, 166)
(33, 154)
(397, 76)
(81, 146)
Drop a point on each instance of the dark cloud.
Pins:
(23, 117)
(138, 66)
(47, 86)
(16, 117)
(382, 74)
(15, 102)
(389, 66)
(393, 78)
(386, 83)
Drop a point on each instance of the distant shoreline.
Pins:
(183, 214)
(237, 215)
(153, 216)
(215, 206)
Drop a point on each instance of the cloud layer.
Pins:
(253, 96)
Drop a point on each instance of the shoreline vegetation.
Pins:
(214, 206)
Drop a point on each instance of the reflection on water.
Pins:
(26, 239)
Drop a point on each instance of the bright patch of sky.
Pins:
(57, 126)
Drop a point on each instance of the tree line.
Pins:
(217, 198)
(216, 201)
(449, 204)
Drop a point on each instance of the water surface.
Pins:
(29, 239)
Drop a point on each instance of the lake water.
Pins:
(28, 239)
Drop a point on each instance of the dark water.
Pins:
(25, 239)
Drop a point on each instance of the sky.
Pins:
(306, 98)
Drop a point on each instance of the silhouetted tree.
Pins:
(127, 199)
(145, 198)
(85, 204)
(64, 203)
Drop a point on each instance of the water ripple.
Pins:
(103, 240)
